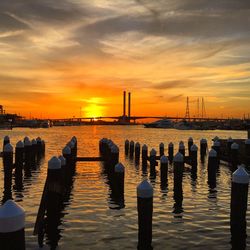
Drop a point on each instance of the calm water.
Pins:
(88, 221)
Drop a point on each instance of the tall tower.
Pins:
(187, 115)
(129, 105)
(124, 104)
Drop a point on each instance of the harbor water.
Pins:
(91, 220)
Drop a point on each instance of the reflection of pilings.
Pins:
(239, 195)
(178, 174)
(8, 166)
(145, 213)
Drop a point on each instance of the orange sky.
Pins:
(77, 58)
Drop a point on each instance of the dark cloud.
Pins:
(174, 84)
(9, 23)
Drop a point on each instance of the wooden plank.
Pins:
(89, 159)
(41, 210)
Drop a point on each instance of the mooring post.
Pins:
(212, 168)
(12, 224)
(75, 147)
(119, 183)
(131, 149)
(137, 152)
(203, 149)
(182, 149)
(170, 152)
(190, 143)
(33, 153)
(239, 195)
(54, 200)
(193, 157)
(19, 153)
(114, 156)
(152, 159)
(144, 154)
(43, 147)
(6, 140)
(69, 164)
(161, 149)
(178, 168)
(27, 153)
(216, 147)
(126, 147)
(229, 144)
(178, 174)
(247, 153)
(145, 214)
(39, 148)
(164, 171)
(8, 166)
(235, 156)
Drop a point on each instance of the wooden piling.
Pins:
(182, 148)
(170, 152)
(144, 154)
(152, 159)
(164, 171)
(161, 149)
(131, 149)
(137, 152)
(126, 147)
(212, 168)
(12, 224)
(235, 156)
(145, 214)
(247, 153)
(190, 143)
(239, 196)
(19, 158)
(8, 166)
(203, 149)
(6, 140)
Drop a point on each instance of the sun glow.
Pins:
(94, 107)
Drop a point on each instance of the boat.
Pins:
(183, 125)
(163, 123)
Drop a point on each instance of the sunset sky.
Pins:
(75, 57)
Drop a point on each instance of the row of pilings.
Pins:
(56, 195)
(25, 158)
(239, 187)
(59, 180)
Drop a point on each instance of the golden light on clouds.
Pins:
(56, 59)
